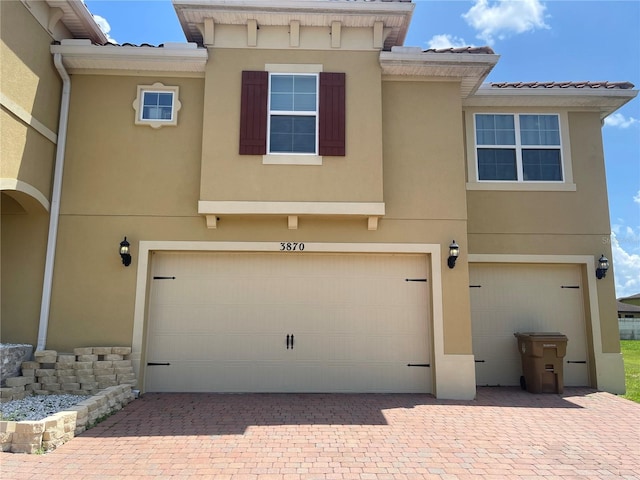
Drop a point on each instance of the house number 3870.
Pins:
(291, 247)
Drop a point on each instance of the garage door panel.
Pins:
(224, 320)
(511, 298)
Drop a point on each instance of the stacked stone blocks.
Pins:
(55, 430)
(85, 372)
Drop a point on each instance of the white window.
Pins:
(293, 114)
(518, 147)
(157, 105)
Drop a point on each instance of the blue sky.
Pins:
(553, 40)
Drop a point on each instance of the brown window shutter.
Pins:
(332, 114)
(253, 113)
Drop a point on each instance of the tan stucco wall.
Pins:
(29, 80)
(122, 179)
(28, 74)
(424, 185)
(29, 83)
(226, 175)
(23, 241)
(555, 223)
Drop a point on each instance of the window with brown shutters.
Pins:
(296, 122)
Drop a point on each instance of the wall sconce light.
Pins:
(124, 252)
(603, 266)
(454, 251)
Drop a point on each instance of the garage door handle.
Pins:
(290, 341)
(155, 364)
(576, 361)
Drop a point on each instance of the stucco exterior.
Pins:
(406, 183)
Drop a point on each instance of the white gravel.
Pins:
(37, 407)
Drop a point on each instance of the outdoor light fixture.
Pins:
(603, 266)
(454, 251)
(124, 252)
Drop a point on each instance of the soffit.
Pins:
(78, 20)
(395, 15)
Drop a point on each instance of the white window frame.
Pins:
(474, 182)
(156, 88)
(295, 113)
(292, 158)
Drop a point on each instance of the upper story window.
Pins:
(293, 113)
(518, 147)
(294, 116)
(157, 105)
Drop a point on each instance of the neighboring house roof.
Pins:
(632, 297)
(627, 308)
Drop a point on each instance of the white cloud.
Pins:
(626, 264)
(104, 26)
(619, 120)
(636, 198)
(504, 18)
(447, 41)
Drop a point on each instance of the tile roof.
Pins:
(485, 50)
(628, 308)
(585, 85)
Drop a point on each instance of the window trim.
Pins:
(159, 88)
(305, 113)
(473, 181)
(292, 158)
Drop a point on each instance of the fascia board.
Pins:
(298, 6)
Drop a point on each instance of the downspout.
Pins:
(54, 212)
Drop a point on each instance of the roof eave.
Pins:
(78, 20)
(395, 15)
(606, 101)
(81, 55)
(471, 69)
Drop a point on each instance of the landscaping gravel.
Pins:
(37, 407)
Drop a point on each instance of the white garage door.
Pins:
(511, 298)
(288, 322)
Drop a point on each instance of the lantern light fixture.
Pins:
(454, 252)
(603, 266)
(125, 252)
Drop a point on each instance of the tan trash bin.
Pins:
(542, 356)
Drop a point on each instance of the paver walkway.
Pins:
(504, 433)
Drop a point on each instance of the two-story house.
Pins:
(310, 206)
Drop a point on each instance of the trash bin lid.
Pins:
(541, 335)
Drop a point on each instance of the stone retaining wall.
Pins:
(86, 371)
(11, 357)
(53, 431)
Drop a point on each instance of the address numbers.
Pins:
(291, 247)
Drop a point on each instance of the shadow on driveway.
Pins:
(174, 414)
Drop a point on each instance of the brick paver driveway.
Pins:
(504, 433)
